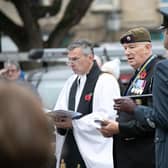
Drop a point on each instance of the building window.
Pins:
(103, 1)
(105, 5)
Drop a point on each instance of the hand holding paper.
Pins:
(63, 118)
(100, 122)
(63, 122)
(109, 128)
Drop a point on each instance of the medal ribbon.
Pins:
(141, 70)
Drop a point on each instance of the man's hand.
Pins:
(109, 128)
(124, 105)
(3, 71)
(63, 122)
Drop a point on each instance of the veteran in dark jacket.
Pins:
(134, 142)
(156, 117)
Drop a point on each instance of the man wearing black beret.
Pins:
(132, 141)
(156, 117)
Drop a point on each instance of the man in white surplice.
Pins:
(94, 99)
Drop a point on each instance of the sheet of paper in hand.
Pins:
(65, 113)
(139, 96)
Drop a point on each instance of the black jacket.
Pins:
(134, 145)
(158, 116)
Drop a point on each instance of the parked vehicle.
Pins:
(49, 83)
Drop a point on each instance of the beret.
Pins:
(139, 34)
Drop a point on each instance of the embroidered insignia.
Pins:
(128, 38)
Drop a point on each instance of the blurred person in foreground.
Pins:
(12, 72)
(90, 92)
(132, 139)
(156, 117)
(25, 138)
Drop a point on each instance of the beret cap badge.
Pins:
(139, 34)
(128, 38)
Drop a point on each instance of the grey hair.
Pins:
(12, 62)
(85, 45)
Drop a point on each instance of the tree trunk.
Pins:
(29, 35)
(73, 14)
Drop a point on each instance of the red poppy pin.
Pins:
(88, 97)
(143, 74)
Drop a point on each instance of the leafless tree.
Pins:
(29, 35)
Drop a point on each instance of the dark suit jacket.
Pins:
(158, 116)
(136, 141)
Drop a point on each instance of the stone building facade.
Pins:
(108, 24)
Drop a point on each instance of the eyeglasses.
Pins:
(12, 70)
(72, 60)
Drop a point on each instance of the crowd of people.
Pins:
(112, 131)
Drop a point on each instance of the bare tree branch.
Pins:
(29, 35)
(73, 14)
(31, 27)
(9, 28)
(42, 11)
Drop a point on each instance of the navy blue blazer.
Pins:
(158, 116)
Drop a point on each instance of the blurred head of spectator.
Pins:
(112, 67)
(13, 70)
(25, 140)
